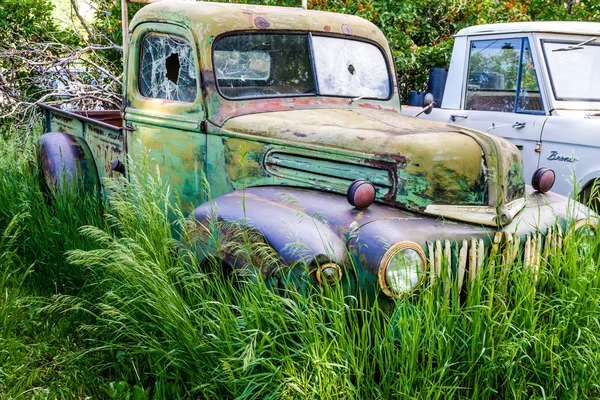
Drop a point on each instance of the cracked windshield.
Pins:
(573, 69)
(277, 65)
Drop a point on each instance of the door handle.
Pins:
(454, 116)
(129, 127)
(519, 125)
(520, 146)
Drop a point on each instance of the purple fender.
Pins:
(65, 159)
(275, 216)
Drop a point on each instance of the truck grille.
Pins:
(468, 256)
(322, 172)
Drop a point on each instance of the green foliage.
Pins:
(107, 25)
(24, 25)
(26, 20)
(419, 31)
(40, 351)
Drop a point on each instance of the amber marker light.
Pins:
(543, 179)
(402, 269)
(361, 194)
(329, 273)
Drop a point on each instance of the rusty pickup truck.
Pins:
(292, 118)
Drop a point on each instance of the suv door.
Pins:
(571, 139)
(502, 95)
(164, 109)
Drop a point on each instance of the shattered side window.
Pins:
(350, 68)
(167, 68)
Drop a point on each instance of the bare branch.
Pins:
(81, 20)
(82, 77)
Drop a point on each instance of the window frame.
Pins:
(154, 33)
(310, 36)
(516, 109)
(551, 79)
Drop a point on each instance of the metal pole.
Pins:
(125, 26)
(125, 31)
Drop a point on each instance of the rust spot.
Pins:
(327, 28)
(261, 23)
(63, 118)
(360, 138)
(400, 159)
(346, 29)
(299, 134)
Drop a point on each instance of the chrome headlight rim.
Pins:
(585, 222)
(582, 224)
(387, 258)
(321, 276)
(584, 244)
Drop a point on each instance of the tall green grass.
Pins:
(39, 349)
(123, 309)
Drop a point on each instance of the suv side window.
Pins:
(167, 68)
(502, 77)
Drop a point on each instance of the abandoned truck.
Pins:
(292, 118)
(536, 84)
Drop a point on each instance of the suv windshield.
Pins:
(277, 65)
(573, 73)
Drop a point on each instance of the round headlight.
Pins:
(402, 268)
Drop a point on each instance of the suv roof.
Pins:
(567, 27)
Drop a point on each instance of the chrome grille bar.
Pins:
(503, 251)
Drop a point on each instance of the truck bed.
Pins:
(102, 130)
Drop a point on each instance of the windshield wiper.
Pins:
(577, 46)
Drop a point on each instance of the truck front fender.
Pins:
(269, 215)
(66, 159)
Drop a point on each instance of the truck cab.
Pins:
(536, 84)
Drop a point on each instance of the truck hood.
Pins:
(415, 164)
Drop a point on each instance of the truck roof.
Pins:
(566, 27)
(212, 19)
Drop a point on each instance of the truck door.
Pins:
(502, 95)
(164, 110)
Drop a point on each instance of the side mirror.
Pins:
(428, 105)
